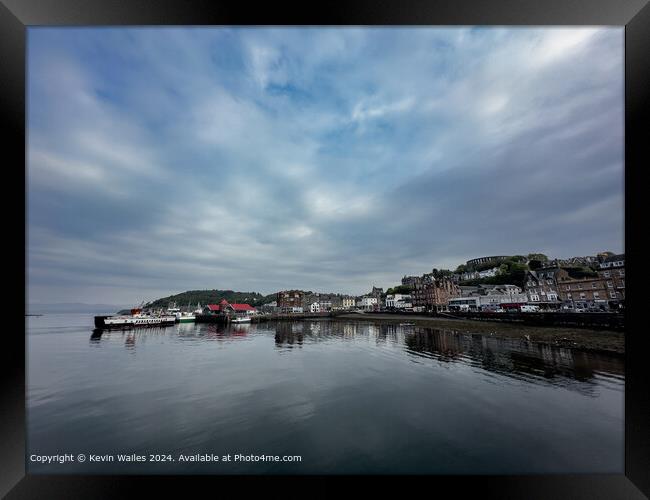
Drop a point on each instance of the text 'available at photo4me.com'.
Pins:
(160, 457)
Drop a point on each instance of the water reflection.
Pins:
(513, 358)
(404, 399)
(519, 359)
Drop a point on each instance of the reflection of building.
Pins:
(290, 301)
(433, 294)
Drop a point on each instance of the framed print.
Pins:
(377, 241)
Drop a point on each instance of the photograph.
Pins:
(325, 250)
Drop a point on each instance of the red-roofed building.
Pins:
(224, 307)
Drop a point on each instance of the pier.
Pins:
(600, 320)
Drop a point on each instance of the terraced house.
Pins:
(612, 272)
(541, 286)
(585, 293)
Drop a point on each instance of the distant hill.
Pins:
(204, 297)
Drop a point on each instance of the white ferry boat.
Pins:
(136, 319)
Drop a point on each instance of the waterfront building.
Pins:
(289, 300)
(541, 286)
(377, 293)
(612, 272)
(585, 293)
(227, 309)
(348, 302)
(433, 294)
(367, 303)
(493, 296)
(465, 304)
(308, 299)
(398, 301)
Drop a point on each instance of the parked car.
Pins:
(525, 309)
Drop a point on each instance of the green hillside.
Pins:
(204, 297)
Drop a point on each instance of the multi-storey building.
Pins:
(584, 293)
(348, 302)
(431, 294)
(290, 300)
(541, 286)
(612, 272)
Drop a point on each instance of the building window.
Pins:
(606, 273)
(596, 295)
(612, 295)
(568, 296)
(568, 287)
(621, 273)
(582, 295)
(610, 285)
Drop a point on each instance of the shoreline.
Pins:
(583, 339)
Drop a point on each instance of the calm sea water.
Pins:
(347, 397)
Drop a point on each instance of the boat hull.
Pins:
(121, 322)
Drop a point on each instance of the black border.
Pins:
(15, 15)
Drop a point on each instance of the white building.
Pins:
(398, 301)
(488, 273)
(465, 303)
(367, 303)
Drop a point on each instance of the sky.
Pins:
(161, 160)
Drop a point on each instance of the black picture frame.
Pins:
(17, 15)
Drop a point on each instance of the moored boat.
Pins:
(136, 319)
(240, 319)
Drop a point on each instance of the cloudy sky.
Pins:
(161, 160)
